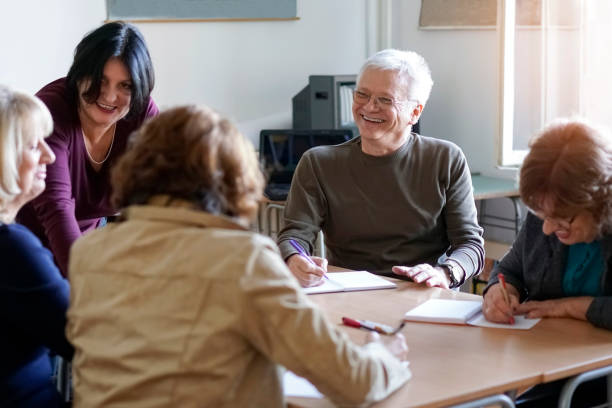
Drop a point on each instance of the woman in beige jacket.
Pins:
(179, 304)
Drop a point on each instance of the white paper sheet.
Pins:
(351, 281)
(295, 386)
(520, 323)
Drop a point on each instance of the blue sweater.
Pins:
(33, 304)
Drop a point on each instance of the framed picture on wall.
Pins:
(201, 10)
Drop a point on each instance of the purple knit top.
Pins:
(76, 196)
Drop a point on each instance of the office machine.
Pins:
(325, 103)
(280, 151)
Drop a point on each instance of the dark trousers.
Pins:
(589, 394)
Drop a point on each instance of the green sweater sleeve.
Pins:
(462, 229)
(305, 210)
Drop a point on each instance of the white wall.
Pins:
(250, 70)
(463, 106)
(464, 100)
(246, 70)
(37, 38)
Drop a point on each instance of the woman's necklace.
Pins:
(109, 149)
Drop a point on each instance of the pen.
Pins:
(366, 324)
(303, 253)
(504, 290)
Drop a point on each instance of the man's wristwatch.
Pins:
(454, 273)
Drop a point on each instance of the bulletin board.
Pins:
(201, 10)
(458, 13)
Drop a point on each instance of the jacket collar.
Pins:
(169, 209)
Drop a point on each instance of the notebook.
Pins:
(461, 312)
(350, 281)
(280, 151)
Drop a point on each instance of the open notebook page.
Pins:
(461, 312)
(350, 281)
(520, 323)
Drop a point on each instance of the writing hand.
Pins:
(495, 308)
(424, 273)
(574, 307)
(305, 272)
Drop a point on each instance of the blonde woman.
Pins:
(33, 294)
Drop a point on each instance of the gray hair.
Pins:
(409, 65)
(22, 117)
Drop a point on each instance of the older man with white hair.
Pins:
(389, 201)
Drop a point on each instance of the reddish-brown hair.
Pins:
(570, 164)
(190, 152)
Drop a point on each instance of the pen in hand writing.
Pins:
(303, 253)
(504, 289)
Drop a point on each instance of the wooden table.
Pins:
(453, 364)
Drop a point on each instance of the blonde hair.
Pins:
(193, 153)
(22, 117)
(570, 163)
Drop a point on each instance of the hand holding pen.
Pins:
(500, 302)
(504, 290)
(308, 270)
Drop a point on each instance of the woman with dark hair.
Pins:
(179, 305)
(561, 262)
(33, 294)
(105, 97)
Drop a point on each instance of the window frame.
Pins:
(506, 28)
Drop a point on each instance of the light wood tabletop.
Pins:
(452, 364)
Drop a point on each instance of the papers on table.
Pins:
(461, 312)
(520, 323)
(350, 281)
(295, 386)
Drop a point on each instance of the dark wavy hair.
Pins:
(570, 163)
(120, 40)
(192, 153)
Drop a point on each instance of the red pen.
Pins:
(504, 289)
(366, 324)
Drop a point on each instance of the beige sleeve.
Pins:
(290, 330)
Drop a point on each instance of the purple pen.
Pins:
(303, 253)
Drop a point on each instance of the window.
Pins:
(554, 59)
